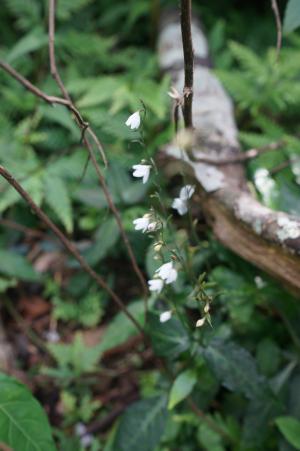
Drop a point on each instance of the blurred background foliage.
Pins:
(243, 373)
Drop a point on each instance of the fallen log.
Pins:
(266, 238)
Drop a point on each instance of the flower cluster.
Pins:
(146, 223)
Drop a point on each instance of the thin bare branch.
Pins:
(188, 52)
(89, 148)
(278, 27)
(68, 245)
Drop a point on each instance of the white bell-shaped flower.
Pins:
(165, 316)
(156, 285)
(134, 121)
(167, 272)
(181, 203)
(142, 170)
(142, 223)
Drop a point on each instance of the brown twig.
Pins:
(240, 158)
(278, 26)
(68, 245)
(188, 52)
(89, 148)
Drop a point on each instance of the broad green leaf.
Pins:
(182, 387)
(290, 428)
(291, 16)
(57, 197)
(23, 423)
(15, 265)
(142, 425)
(235, 368)
(168, 339)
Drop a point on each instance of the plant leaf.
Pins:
(57, 197)
(23, 423)
(13, 264)
(291, 16)
(169, 339)
(290, 428)
(142, 425)
(182, 387)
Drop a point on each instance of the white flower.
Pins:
(165, 316)
(142, 170)
(186, 192)
(167, 272)
(134, 121)
(155, 285)
(153, 226)
(142, 223)
(181, 203)
(200, 322)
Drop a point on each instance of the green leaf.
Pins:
(142, 425)
(57, 197)
(23, 423)
(182, 387)
(105, 238)
(121, 328)
(80, 357)
(32, 41)
(290, 429)
(209, 439)
(291, 16)
(13, 264)
(168, 339)
(235, 368)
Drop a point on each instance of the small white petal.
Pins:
(167, 272)
(186, 192)
(172, 276)
(163, 270)
(152, 226)
(142, 170)
(134, 121)
(165, 316)
(141, 223)
(180, 205)
(155, 285)
(200, 322)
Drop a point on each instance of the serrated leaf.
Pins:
(169, 339)
(290, 428)
(105, 238)
(23, 423)
(182, 387)
(57, 197)
(142, 425)
(291, 16)
(13, 264)
(235, 368)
